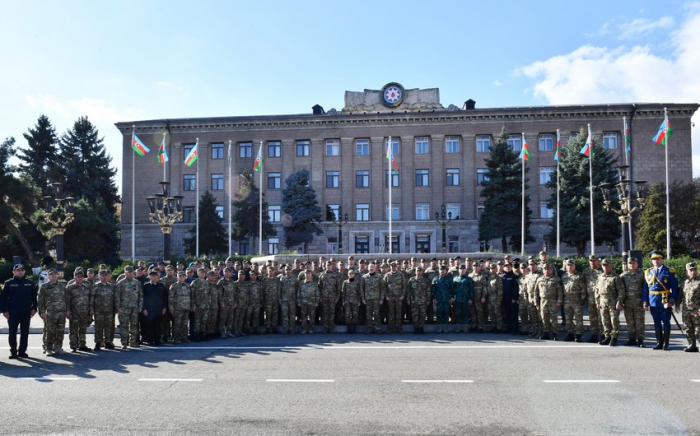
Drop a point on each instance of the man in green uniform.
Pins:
(271, 297)
(691, 306)
(610, 296)
(574, 298)
(395, 285)
(633, 279)
(418, 299)
(180, 305)
(53, 309)
(548, 297)
(78, 292)
(289, 286)
(308, 300)
(104, 306)
(464, 298)
(352, 295)
(129, 305)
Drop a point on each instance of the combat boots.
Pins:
(691, 348)
(667, 339)
(659, 340)
(578, 338)
(631, 342)
(605, 341)
(593, 339)
(569, 337)
(613, 342)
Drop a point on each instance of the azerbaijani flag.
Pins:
(664, 132)
(557, 152)
(138, 146)
(162, 154)
(259, 159)
(586, 150)
(192, 155)
(230, 158)
(524, 150)
(390, 157)
(628, 138)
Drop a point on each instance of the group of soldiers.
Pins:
(231, 299)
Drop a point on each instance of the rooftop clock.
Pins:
(392, 94)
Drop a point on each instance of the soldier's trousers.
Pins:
(351, 313)
(239, 318)
(252, 318)
(418, 314)
(610, 317)
(166, 322)
(308, 312)
(442, 311)
(54, 326)
(692, 324)
(634, 316)
(328, 314)
(288, 315)
(395, 316)
(201, 320)
(495, 312)
(594, 317)
(180, 319)
(77, 328)
(476, 314)
(374, 323)
(524, 315)
(212, 320)
(104, 328)
(129, 326)
(225, 319)
(272, 315)
(548, 312)
(534, 317)
(461, 313)
(573, 312)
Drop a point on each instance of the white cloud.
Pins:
(496, 83)
(640, 26)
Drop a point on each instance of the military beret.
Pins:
(656, 254)
(18, 266)
(570, 262)
(691, 265)
(607, 261)
(128, 268)
(49, 271)
(592, 257)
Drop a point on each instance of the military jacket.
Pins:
(200, 294)
(168, 281)
(463, 288)
(254, 293)
(610, 287)
(179, 297)
(271, 290)
(495, 292)
(481, 286)
(302, 275)
(530, 282)
(549, 289)
(227, 286)
(430, 273)
(634, 284)
(53, 298)
(590, 276)
(289, 287)
(329, 284)
(241, 293)
(352, 291)
(442, 289)
(308, 293)
(129, 294)
(18, 296)
(395, 285)
(104, 298)
(661, 287)
(511, 287)
(419, 290)
(691, 295)
(372, 286)
(574, 288)
(78, 299)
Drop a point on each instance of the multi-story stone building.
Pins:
(439, 151)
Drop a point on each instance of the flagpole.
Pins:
(261, 202)
(389, 182)
(558, 157)
(133, 196)
(522, 226)
(668, 199)
(590, 185)
(230, 191)
(165, 153)
(627, 162)
(197, 203)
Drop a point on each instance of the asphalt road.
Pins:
(355, 384)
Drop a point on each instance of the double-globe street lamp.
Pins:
(58, 212)
(340, 221)
(165, 211)
(443, 219)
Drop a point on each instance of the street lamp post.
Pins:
(58, 212)
(631, 201)
(340, 221)
(165, 211)
(443, 219)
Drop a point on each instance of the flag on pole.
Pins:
(258, 160)
(390, 157)
(557, 152)
(586, 150)
(230, 158)
(162, 154)
(192, 155)
(138, 146)
(524, 151)
(664, 132)
(628, 138)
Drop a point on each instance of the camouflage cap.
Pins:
(128, 268)
(78, 272)
(51, 271)
(549, 265)
(182, 272)
(351, 271)
(570, 262)
(632, 260)
(169, 267)
(592, 257)
(607, 261)
(211, 273)
(104, 272)
(419, 268)
(90, 270)
(543, 253)
(691, 265)
(500, 262)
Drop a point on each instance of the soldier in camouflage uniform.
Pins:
(476, 310)
(252, 314)
(129, 305)
(548, 297)
(227, 285)
(78, 292)
(352, 295)
(610, 296)
(200, 294)
(372, 297)
(419, 299)
(591, 277)
(633, 279)
(271, 295)
(395, 285)
(495, 299)
(574, 299)
(215, 303)
(523, 302)
(430, 273)
(308, 300)
(241, 301)
(690, 291)
(180, 305)
(53, 309)
(104, 306)
(464, 298)
(329, 284)
(533, 312)
(289, 286)
(166, 321)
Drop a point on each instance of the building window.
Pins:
(546, 212)
(452, 208)
(274, 149)
(272, 245)
(482, 176)
(332, 147)
(395, 149)
(362, 244)
(394, 179)
(546, 142)
(243, 247)
(362, 212)
(452, 177)
(479, 210)
(217, 150)
(187, 148)
(610, 141)
(188, 214)
(546, 174)
(332, 179)
(422, 211)
(189, 182)
(423, 244)
(275, 213)
(362, 147)
(245, 150)
(303, 148)
(453, 244)
(394, 211)
(217, 182)
(452, 144)
(220, 211)
(422, 177)
(332, 212)
(515, 141)
(274, 181)
(422, 145)
(362, 179)
(573, 135)
(483, 143)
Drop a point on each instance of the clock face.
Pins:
(392, 95)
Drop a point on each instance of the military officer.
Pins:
(271, 297)
(180, 305)
(289, 286)
(329, 285)
(418, 299)
(372, 296)
(476, 310)
(53, 309)
(495, 299)
(574, 298)
(200, 295)
(104, 306)
(352, 295)
(227, 285)
(78, 293)
(464, 298)
(241, 301)
(591, 278)
(633, 279)
(215, 303)
(18, 305)
(308, 300)
(691, 307)
(129, 306)
(659, 295)
(533, 312)
(610, 296)
(395, 285)
(548, 296)
(442, 291)
(252, 314)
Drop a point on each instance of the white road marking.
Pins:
(283, 380)
(375, 347)
(437, 381)
(48, 378)
(696, 381)
(171, 379)
(581, 381)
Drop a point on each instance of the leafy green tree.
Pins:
(502, 193)
(651, 227)
(40, 159)
(685, 210)
(574, 195)
(246, 218)
(300, 211)
(212, 234)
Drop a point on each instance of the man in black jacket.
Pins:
(18, 304)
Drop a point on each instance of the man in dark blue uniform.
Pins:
(18, 304)
(659, 296)
(511, 294)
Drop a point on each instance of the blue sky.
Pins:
(133, 60)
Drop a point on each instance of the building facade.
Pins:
(439, 152)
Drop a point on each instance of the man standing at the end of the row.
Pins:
(18, 305)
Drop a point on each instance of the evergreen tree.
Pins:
(502, 191)
(574, 195)
(246, 218)
(651, 228)
(685, 210)
(40, 160)
(300, 210)
(212, 234)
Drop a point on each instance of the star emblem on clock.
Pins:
(392, 94)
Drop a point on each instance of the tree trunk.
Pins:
(25, 244)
